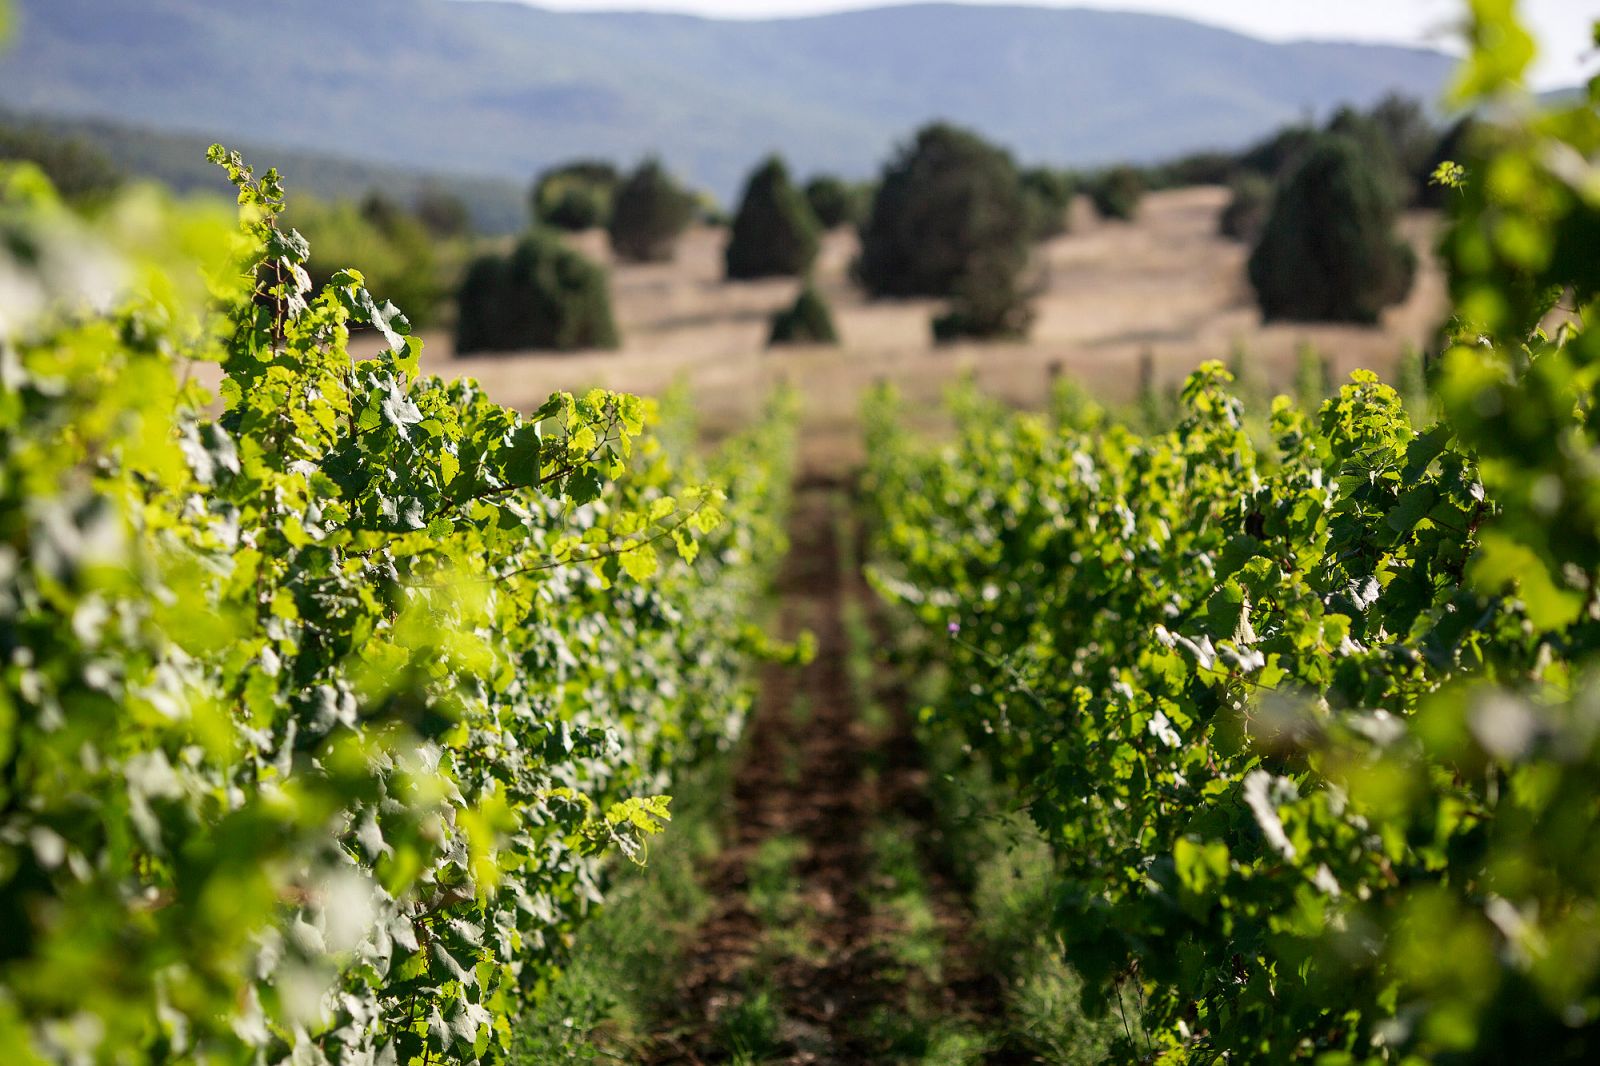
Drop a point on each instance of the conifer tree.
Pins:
(807, 321)
(543, 295)
(775, 233)
(1329, 251)
(649, 213)
(950, 207)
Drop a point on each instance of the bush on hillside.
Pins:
(1329, 251)
(988, 305)
(1249, 201)
(576, 196)
(1049, 196)
(807, 321)
(543, 296)
(775, 233)
(837, 202)
(950, 206)
(1116, 193)
(649, 213)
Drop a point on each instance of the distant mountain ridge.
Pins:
(501, 89)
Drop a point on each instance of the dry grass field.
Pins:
(1165, 284)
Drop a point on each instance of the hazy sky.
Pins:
(1562, 24)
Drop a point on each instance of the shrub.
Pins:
(576, 196)
(950, 204)
(986, 313)
(1116, 193)
(808, 321)
(1329, 251)
(648, 215)
(774, 234)
(1248, 205)
(837, 202)
(1049, 196)
(543, 295)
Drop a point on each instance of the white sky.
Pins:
(1563, 25)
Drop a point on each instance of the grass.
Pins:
(749, 1029)
(624, 961)
(900, 889)
(1009, 873)
(775, 899)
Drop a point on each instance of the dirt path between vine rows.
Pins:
(809, 966)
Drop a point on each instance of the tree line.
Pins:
(954, 217)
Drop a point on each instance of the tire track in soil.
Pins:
(849, 776)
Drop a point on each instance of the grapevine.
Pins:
(323, 708)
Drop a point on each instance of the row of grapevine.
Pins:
(324, 701)
(1309, 721)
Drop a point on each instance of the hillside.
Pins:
(501, 89)
(178, 160)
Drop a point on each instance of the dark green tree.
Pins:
(1279, 153)
(543, 295)
(1329, 251)
(988, 304)
(1116, 193)
(648, 214)
(576, 196)
(1373, 140)
(774, 233)
(1408, 131)
(807, 321)
(1049, 195)
(1249, 200)
(949, 214)
(837, 202)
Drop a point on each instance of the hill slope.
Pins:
(501, 88)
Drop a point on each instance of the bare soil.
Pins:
(823, 780)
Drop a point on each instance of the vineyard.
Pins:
(350, 716)
(1303, 707)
